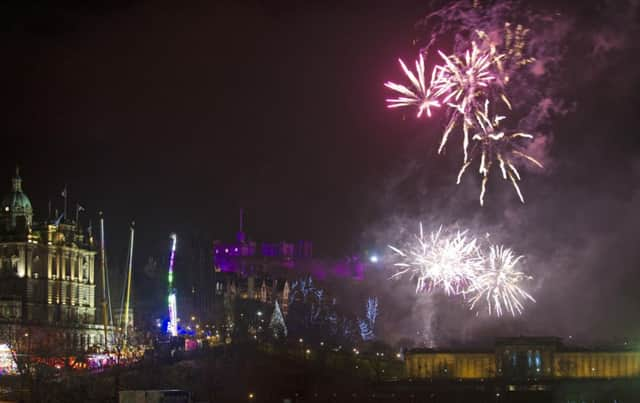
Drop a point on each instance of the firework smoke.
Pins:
(565, 237)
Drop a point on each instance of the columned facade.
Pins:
(47, 282)
(523, 358)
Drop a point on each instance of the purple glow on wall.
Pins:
(291, 256)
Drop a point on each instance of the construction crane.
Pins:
(128, 290)
(106, 299)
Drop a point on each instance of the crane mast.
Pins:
(103, 271)
(128, 297)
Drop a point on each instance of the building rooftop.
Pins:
(549, 341)
(16, 201)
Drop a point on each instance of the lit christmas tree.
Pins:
(367, 325)
(277, 324)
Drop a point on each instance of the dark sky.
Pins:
(176, 115)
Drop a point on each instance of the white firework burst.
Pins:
(448, 261)
(498, 285)
(420, 96)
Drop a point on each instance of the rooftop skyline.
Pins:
(176, 116)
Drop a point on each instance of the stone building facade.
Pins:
(524, 358)
(47, 277)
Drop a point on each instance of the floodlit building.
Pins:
(525, 359)
(47, 281)
(257, 271)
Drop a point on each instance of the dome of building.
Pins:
(16, 203)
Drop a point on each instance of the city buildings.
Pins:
(47, 285)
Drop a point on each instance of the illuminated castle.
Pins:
(250, 277)
(47, 286)
(523, 358)
(260, 272)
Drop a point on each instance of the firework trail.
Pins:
(474, 75)
(442, 260)
(498, 284)
(494, 145)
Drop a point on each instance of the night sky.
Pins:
(177, 115)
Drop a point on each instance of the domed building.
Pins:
(16, 213)
(47, 282)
